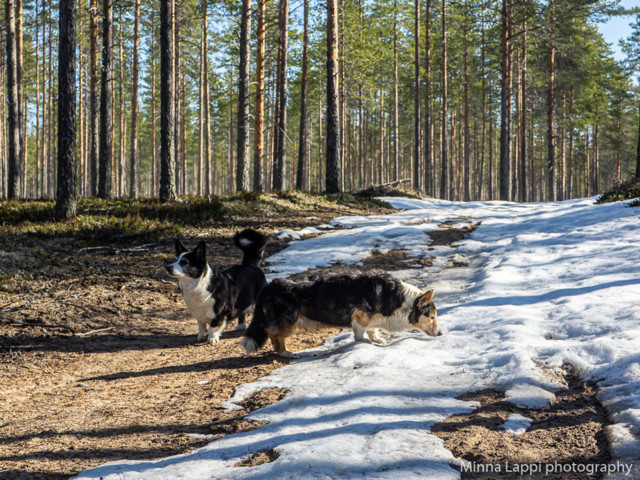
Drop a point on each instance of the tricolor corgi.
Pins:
(214, 297)
(366, 302)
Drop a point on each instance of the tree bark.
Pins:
(302, 142)
(167, 104)
(281, 105)
(106, 107)
(522, 177)
(242, 165)
(552, 184)
(13, 159)
(258, 134)
(133, 162)
(396, 145)
(333, 170)
(466, 152)
(417, 102)
(67, 191)
(444, 177)
(93, 96)
(22, 109)
(505, 101)
(428, 144)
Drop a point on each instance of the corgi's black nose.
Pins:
(169, 268)
(439, 334)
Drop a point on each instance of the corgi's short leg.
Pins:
(202, 332)
(358, 331)
(242, 322)
(215, 332)
(374, 336)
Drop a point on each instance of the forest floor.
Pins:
(97, 353)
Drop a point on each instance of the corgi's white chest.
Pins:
(199, 300)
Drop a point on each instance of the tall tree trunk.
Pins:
(207, 117)
(480, 173)
(133, 162)
(505, 101)
(22, 109)
(38, 172)
(154, 151)
(570, 173)
(302, 143)
(242, 172)
(45, 110)
(552, 183)
(82, 174)
(417, 102)
(13, 159)
(106, 106)
(396, 145)
(121, 180)
(281, 105)
(67, 192)
(175, 8)
(428, 145)
(167, 104)
(466, 152)
(258, 134)
(93, 95)
(333, 170)
(444, 178)
(596, 157)
(522, 177)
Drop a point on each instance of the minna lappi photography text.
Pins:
(554, 468)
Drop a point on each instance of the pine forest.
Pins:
(462, 100)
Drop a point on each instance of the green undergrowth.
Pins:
(624, 191)
(100, 220)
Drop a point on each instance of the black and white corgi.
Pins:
(215, 297)
(366, 302)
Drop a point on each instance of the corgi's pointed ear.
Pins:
(425, 298)
(201, 250)
(180, 248)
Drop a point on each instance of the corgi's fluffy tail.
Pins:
(252, 244)
(256, 335)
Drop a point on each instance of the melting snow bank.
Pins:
(559, 285)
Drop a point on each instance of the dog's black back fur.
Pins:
(236, 289)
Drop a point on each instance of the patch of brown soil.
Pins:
(259, 458)
(570, 431)
(448, 233)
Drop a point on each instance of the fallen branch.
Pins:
(140, 234)
(117, 251)
(391, 184)
(43, 325)
(91, 332)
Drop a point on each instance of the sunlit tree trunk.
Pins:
(106, 106)
(13, 158)
(167, 104)
(302, 142)
(133, 162)
(67, 191)
(258, 134)
(333, 170)
(242, 172)
(444, 175)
